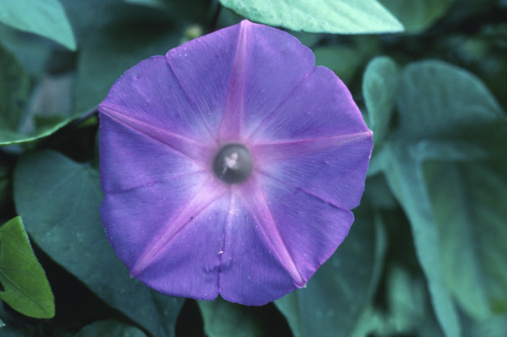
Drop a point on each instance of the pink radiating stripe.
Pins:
(272, 114)
(230, 129)
(188, 147)
(189, 98)
(257, 201)
(273, 151)
(205, 196)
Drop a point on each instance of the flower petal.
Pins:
(269, 64)
(320, 106)
(204, 68)
(131, 159)
(169, 235)
(334, 174)
(252, 272)
(276, 238)
(316, 142)
(149, 96)
(238, 75)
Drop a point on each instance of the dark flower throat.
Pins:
(233, 164)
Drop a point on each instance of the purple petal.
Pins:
(319, 106)
(276, 64)
(317, 142)
(204, 68)
(239, 75)
(276, 238)
(130, 158)
(268, 64)
(149, 96)
(171, 234)
(252, 272)
(333, 170)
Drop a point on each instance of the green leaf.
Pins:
(342, 288)
(17, 126)
(14, 88)
(402, 166)
(378, 194)
(180, 12)
(24, 285)
(110, 328)
(441, 101)
(32, 51)
(417, 15)
(380, 88)
(345, 59)
(69, 230)
(43, 17)
(319, 16)
(447, 114)
(159, 4)
(115, 45)
(225, 319)
(494, 326)
(5, 188)
(468, 201)
(409, 307)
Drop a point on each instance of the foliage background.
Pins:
(426, 254)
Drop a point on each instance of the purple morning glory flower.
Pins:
(230, 166)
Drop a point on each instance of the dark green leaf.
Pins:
(114, 46)
(441, 101)
(159, 4)
(404, 174)
(417, 15)
(380, 87)
(467, 215)
(32, 51)
(110, 328)
(4, 187)
(10, 328)
(319, 16)
(494, 326)
(24, 285)
(342, 288)
(446, 113)
(378, 193)
(14, 87)
(16, 125)
(43, 17)
(345, 59)
(409, 306)
(69, 230)
(225, 319)
(468, 201)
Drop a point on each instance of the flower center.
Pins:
(233, 164)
